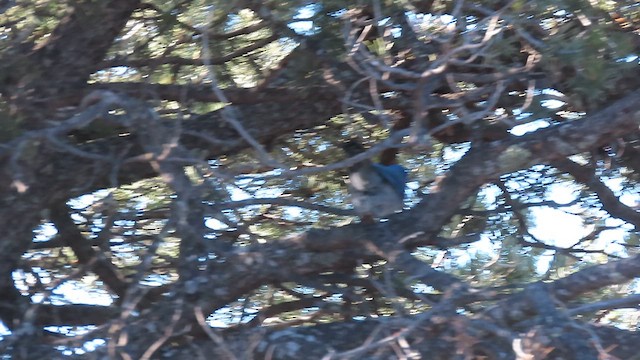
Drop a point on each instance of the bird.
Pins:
(376, 190)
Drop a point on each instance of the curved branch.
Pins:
(609, 200)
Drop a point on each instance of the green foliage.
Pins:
(577, 52)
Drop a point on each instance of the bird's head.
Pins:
(353, 147)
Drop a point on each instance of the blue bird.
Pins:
(376, 190)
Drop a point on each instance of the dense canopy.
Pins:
(172, 179)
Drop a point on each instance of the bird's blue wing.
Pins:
(395, 175)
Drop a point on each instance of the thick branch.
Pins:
(64, 62)
(203, 93)
(417, 227)
(82, 248)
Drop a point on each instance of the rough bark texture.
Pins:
(71, 130)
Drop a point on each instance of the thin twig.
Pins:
(217, 339)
